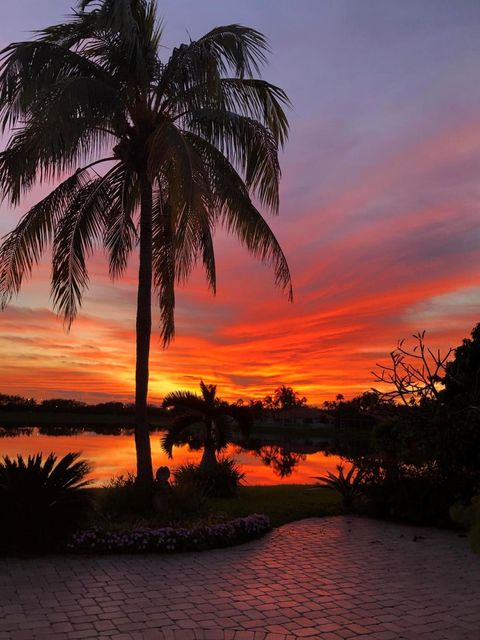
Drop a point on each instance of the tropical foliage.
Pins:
(223, 481)
(148, 152)
(417, 440)
(41, 500)
(203, 422)
(348, 485)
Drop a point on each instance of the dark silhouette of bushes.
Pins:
(42, 501)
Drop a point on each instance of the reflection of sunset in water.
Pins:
(115, 454)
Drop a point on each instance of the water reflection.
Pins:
(270, 460)
(282, 461)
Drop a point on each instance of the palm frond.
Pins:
(120, 232)
(185, 400)
(64, 475)
(230, 48)
(209, 392)
(239, 216)
(177, 428)
(348, 486)
(259, 100)
(23, 247)
(163, 251)
(250, 97)
(208, 258)
(169, 148)
(79, 229)
(243, 48)
(127, 36)
(182, 218)
(247, 144)
(49, 145)
(29, 70)
(69, 472)
(71, 34)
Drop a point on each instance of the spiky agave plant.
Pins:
(41, 500)
(185, 143)
(347, 485)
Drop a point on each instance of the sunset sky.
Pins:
(379, 216)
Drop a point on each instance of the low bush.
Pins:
(42, 501)
(349, 486)
(415, 500)
(169, 539)
(122, 498)
(221, 481)
(406, 475)
(468, 517)
(187, 501)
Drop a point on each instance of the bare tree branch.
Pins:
(415, 374)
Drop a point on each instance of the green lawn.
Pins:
(283, 503)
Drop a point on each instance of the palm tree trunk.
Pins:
(209, 457)
(144, 329)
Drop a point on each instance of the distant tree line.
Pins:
(67, 405)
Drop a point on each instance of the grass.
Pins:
(282, 503)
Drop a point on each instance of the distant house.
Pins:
(298, 417)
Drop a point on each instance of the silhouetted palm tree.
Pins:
(205, 421)
(186, 142)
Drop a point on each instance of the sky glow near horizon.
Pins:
(379, 215)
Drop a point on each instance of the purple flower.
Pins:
(168, 539)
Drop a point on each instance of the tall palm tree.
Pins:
(185, 144)
(205, 420)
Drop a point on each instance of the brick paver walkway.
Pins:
(331, 579)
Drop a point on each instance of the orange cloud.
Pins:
(370, 264)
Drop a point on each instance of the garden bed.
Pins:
(170, 539)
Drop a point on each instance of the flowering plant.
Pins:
(170, 539)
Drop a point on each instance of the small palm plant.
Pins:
(204, 420)
(349, 486)
(41, 500)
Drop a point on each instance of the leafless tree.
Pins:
(414, 374)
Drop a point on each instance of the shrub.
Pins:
(169, 539)
(42, 501)
(474, 538)
(416, 499)
(121, 481)
(123, 500)
(221, 481)
(407, 475)
(122, 497)
(468, 517)
(187, 500)
(348, 486)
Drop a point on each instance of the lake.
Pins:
(274, 460)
